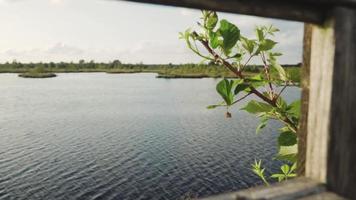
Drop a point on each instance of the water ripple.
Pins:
(102, 137)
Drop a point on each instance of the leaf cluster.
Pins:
(286, 172)
(225, 45)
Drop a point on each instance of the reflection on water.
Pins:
(109, 136)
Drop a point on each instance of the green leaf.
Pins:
(288, 153)
(241, 87)
(294, 108)
(237, 55)
(292, 175)
(277, 175)
(259, 171)
(187, 36)
(267, 45)
(263, 124)
(257, 77)
(285, 169)
(287, 139)
(294, 167)
(214, 39)
(272, 29)
(247, 44)
(276, 54)
(212, 20)
(256, 107)
(282, 104)
(280, 177)
(259, 34)
(212, 106)
(256, 81)
(260, 127)
(281, 72)
(284, 129)
(287, 157)
(230, 34)
(287, 172)
(224, 88)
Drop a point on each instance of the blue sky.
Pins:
(105, 30)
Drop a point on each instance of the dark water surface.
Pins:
(132, 136)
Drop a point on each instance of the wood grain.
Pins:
(342, 147)
(323, 196)
(293, 189)
(321, 72)
(312, 12)
(305, 82)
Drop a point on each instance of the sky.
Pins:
(106, 30)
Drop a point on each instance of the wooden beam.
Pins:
(334, 3)
(293, 189)
(305, 83)
(321, 62)
(324, 196)
(331, 142)
(341, 171)
(312, 12)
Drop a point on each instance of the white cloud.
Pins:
(50, 1)
(62, 49)
(147, 51)
(56, 52)
(56, 1)
(102, 33)
(9, 1)
(187, 12)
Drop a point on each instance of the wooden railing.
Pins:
(299, 188)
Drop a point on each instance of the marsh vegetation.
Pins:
(39, 70)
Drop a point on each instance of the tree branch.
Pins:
(240, 75)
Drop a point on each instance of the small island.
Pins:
(123, 71)
(38, 72)
(169, 76)
(36, 75)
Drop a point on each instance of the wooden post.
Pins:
(331, 119)
(341, 171)
(305, 82)
(322, 50)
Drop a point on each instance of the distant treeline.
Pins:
(164, 70)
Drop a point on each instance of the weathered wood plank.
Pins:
(342, 147)
(333, 2)
(323, 196)
(305, 82)
(321, 71)
(312, 12)
(292, 189)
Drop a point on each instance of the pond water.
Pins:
(130, 136)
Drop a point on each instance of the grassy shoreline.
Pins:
(170, 71)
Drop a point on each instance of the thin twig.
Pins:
(248, 60)
(268, 75)
(280, 92)
(242, 98)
